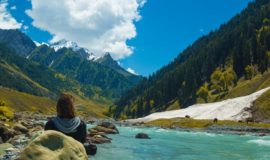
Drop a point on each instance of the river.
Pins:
(179, 145)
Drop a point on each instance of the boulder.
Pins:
(99, 139)
(53, 145)
(20, 128)
(18, 140)
(91, 149)
(11, 153)
(106, 130)
(3, 148)
(92, 132)
(92, 121)
(6, 133)
(261, 134)
(35, 129)
(187, 116)
(97, 136)
(24, 123)
(109, 125)
(142, 136)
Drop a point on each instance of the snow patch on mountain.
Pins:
(64, 43)
(39, 44)
(74, 46)
(231, 109)
(132, 71)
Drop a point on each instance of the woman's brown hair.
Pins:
(65, 106)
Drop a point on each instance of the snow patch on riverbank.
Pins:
(231, 109)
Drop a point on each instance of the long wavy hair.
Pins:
(65, 106)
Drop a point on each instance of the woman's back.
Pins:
(66, 120)
(74, 127)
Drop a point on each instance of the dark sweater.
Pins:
(79, 135)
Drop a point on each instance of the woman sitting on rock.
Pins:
(66, 121)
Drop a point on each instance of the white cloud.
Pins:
(99, 25)
(25, 27)
(6, 19)
(132, 71)
(13, 8)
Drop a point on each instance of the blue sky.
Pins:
(163, 31)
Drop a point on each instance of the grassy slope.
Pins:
(173, 106)
(19, 79)
(246, 87)
(20, 101)
(89, 108)
(262, 107)
(243, 88)
(192, 123)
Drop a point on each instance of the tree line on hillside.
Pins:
(215, 63)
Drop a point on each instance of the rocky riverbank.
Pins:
(17, 132)
(238, 128)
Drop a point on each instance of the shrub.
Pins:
(6, 112)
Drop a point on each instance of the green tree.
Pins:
(216, 80)
(203, 93)
(250, 72)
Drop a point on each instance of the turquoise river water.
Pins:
(179, 145)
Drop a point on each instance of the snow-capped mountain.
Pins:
(75, 47)
(105, 60)
(68, 44)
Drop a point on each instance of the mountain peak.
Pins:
(75, 47)
(106, 59)
(17, 41)
(107, 56)
(67, 44)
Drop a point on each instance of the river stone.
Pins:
(109, 125)
(4, 146)
(91, 149)
(18, 140)
(142, 136)
(99, 139)
(53, 145)
(34, 130)
(20, 128)
(6, 133)
(106, 130)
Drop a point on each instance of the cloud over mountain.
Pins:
(101, 26)
(6, 19)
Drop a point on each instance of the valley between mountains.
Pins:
(235, 63)
(218, 87)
